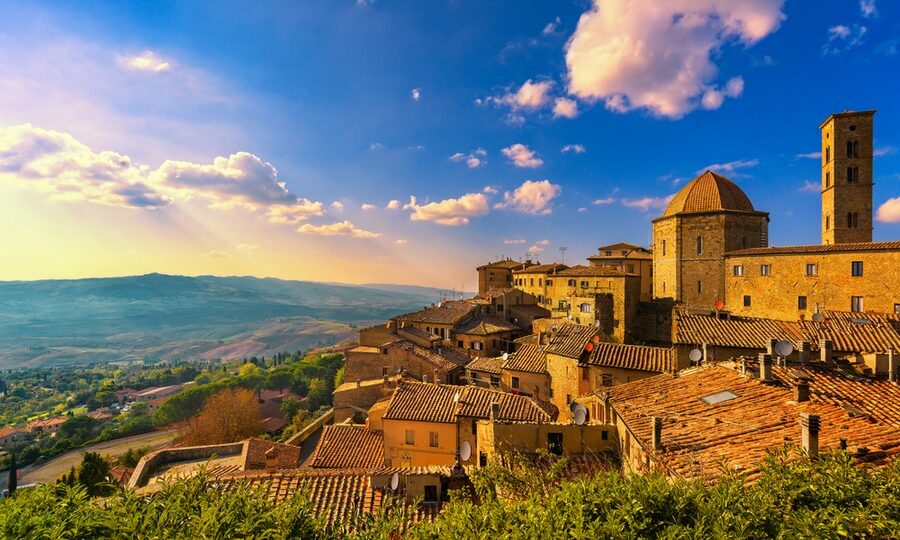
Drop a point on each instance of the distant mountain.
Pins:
(163, 316)
(434, 294)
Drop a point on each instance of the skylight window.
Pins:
(718, 397)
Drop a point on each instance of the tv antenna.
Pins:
(562, 253)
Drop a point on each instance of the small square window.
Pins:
(433, 439)
(737, 270)
(812, 269)
(856, 268)
(604, 435)
(896, 308)
(746, 300)
(765, 270)
(410, 436)
(515, 382)
(431, 494)
(856, 304)
(801, 302)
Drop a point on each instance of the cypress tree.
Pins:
(13, 475)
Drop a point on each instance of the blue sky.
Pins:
(228, 113)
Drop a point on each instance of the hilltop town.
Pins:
(692, 358)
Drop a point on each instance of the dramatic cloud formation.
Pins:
(341, 228)
(302, 210)
(451, 212)
(472, 160)
(889, 212)
(574, 148)
(646, 203)
(521, 156)
(731, 168)
(565, 108)
(532, 197)
(146, 61)
(646, 54)
(843, 38)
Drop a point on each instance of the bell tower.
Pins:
(847, 177)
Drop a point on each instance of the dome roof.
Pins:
(709, 192)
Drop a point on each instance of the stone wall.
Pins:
(839, 196)
(154, 460)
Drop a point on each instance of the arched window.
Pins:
(849, 220)
(849, 148)
(699, 245)
(827, 154)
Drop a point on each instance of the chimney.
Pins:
(801, 391)
(743, 366)
(358, 383)
(495, 411)
(705, 354)
(770, 346)
(892, 366)
(809, 434)
(656, 425)
(385, 378)
(437, 377)
(271, 459)
(826, 349)
(765, 367)
(425, 377)
(805, 352)
(540, 338)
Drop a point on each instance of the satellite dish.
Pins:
(596, 339)
(818, 317)
(395, 481)
(696, 355)
(465, 451)
(505, 356)
(783, 348)
(580, 415)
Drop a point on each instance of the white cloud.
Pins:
(400, 241)
(535, 249)
(367, 206)
(521, 156)
(376, 146)
(731, 168)
(530, 96)
(365, 3)
(551, 27)
(809, 187)
(647, 54)
(884, 151)
(514, 241)
(574, 148)
(341, 228)
(490, 190)
(215, 254)
(146, 61)
(602, 202)
(867, 8)
(394, 204)
(889, 212)
(416, 94)
(565, 108)
(810, 155)
(302, 210)
(532, 197)
(473, 160)
(338, 206)
(581, 209)
(646, 203)
(713, 97)
(451, 212)
(543, 242)
(843, 38)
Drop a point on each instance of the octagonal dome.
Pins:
(709, 192)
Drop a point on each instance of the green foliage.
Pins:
(93, 474)
(13, 480)
(131, 456)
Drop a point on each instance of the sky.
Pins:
(383, 141)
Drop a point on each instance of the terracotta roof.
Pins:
(506, 263)
(444, 357)
(273, 424)
(569, 339)
(344, 446)
(575, 466)
(256, 450)
(484, 325)
(487, 365)
(599, 271)
(532, 310)
(637, 357)
(698, 438)
(841, 386)
(6, 431)
(529, 358)
(541, 269)
(694, 328)
(121, 475)
(48, 422)
(424, 402)
(336, 495)
(449, 312)
(817, 248)
(709, 192)
(532, 339)
(418, 332)
(848, 332)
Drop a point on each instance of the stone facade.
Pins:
(588, 295)
(786, 290)
(631, 259)
(847, 177)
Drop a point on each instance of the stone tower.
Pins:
(708, 217)
(847, 177)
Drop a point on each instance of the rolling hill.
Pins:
(159, 316)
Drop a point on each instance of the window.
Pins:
(555, 443)
(532, 282)
(515, 382)
(812, 269)
(609, 253)
(606, 379)
(585, 374)
(664, 247)
(585, 308)
(801, 302)
(856, 303)
(433, 439)
(540, 282)
(856, 268)
(562, 305)
(827, 154)
(410, 436)
(629, 268)
(765, 269)
(459, 343)
(852, 175)
(584, 284)
(568, 399)
(746, 300)
(718, 397)
(699, 245)
(664, 287)
(495, 380)
(549, 282)
(738, 270)
(477, 345)
(827, 223)
(571, 283)
(699, 287)
(430, 494)
(500, 308)
(896, 308)
(828, 179)
(604, 435)
(852, 148)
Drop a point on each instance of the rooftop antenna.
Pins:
(562, 251)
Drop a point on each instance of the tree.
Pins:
(13, 475)
(289, 407)
(318, 394)
(279, 380)
(228, 416)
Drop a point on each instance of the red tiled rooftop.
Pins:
(343, 446)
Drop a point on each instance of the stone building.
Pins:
(498, 274)
(847, 177)
(707, 218)
(631, 259)
(533, 280)
(601, 295)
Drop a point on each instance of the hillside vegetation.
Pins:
(166, 317)
(829, 498)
